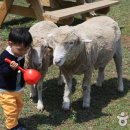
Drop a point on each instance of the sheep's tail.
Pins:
(117, 32)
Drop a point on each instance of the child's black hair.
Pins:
(20, 35)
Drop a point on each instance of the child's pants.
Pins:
(12, 104)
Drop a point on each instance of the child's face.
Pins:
(18, 50)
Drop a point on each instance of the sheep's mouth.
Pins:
(59, 62)
(50, 49)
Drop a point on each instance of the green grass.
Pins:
(106, 103)
(121, 13)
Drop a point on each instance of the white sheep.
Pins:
(83, 48)
(39, 57)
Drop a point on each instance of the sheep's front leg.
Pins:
(67, 91)
(60, 79)
(40, 105)
(86, 89)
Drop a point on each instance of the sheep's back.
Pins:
(104, 36)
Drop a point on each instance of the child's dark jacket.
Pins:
(8, 76)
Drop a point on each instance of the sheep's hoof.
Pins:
(33, 95)
(99, 84)
(66, 106)
(60, 83)
(40, 107)
(86, 105)
(121, 89)
(86, 109)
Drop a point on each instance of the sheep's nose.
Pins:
(57, 62)
(37, 65)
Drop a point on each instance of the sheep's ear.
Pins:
(50, 35)
(29, 51)
(86, 40)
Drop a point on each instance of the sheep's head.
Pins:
(39, 54)
(66, 44)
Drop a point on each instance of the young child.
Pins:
(11, 80)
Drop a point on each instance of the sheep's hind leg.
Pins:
(118, 63)
(86, 90)
(33, 92)
(100, 78)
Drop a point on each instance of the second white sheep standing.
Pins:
(83, 48)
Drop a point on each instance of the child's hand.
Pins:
(13, 65)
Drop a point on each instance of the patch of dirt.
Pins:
(126, 41)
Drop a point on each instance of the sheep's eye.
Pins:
(45, 46)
